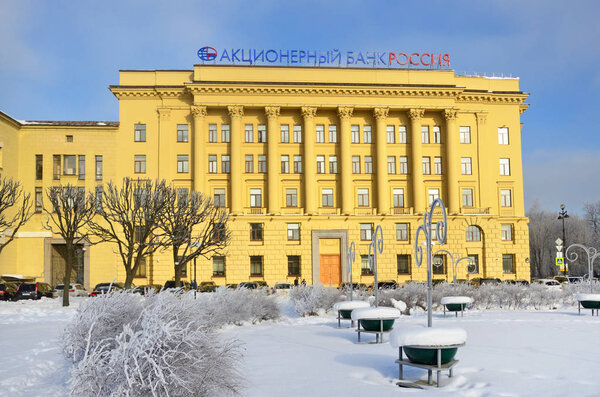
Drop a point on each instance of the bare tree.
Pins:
(193, 226)
(11, 194)
(128, 216)
(592, 216)
(70, 213)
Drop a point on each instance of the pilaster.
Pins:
(344, 114)
(310, 165)
(164, 145)
(199, 141)
(235, 113)
(452, 141)
(272, 113)
(383, 199)
(418, 187)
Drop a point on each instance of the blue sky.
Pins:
(58, 58)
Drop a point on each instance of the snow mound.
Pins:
(400, 305)
(375, 313)
(449, 300)
(587, 297)
(423, 336)
(350, 305)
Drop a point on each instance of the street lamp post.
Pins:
(351, 256)
(469, 260)
(375, 247)
(562, 214)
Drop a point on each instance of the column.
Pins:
(344, 113)
(199, 142)
(418, 188)
(383, 194)
(164, 145)
(487, 170)
(453, 162)
(236, 113)
(310, 161)
(272, 113)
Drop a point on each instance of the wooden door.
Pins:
(330, 269)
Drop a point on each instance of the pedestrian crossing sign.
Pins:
(560, 262)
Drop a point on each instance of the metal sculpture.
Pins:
(592, 254)
(351, 256)
(470, 264)
(375, 247)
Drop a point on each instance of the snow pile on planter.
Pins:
(456, 300)
(588, 297)
(310, 299)
(375, 313)
(400, 305)
(424, 336)
(164, 346)
(350, 305)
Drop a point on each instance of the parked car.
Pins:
(282, 288)
(232, 286)
(33, 291)
(207, 286)
(248, 285)
(574, 280)
(485, 281)
(144, 289)
(182, 284)
(550, 284)
(7, 291)
(74, 290)
(517, 282)
(387, 285)
(562, 279)
(104, 288)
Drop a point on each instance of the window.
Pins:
(465, 165)
(183, 163)
(39, 199)
(327, 197)
(218, 266)
(403, 263)
(366, 231)
(212, 164)
(256, 232)
(368, 165)
(504, 166)
(139, 162)
(320, 164)
(333, 165)
(255, 198)
(69, 165)
(403, 165)
(363, 197)
(432, 195)
(99, 167)
(355, 134)
(437, 165)
(139, 132)
(98, 198)
(473, 233)
(502, 136)
(183, 133)
(426, 166)
(467, 197)
(249, 133)
(56, 166)
(367, 134)
(475, 263)
(225, 164)
(465, 134)
(297, 164)
(398, 198)
(508, 263)
(424, 134)
(285, 133)
(297, 134)
(293, 231)
(332, 134)
(291, 197)
(439, 262)
(356, 164)
(81, 166)
(505, 199)
(69, 138)
(262, 164)
(285, 164)
(506, 232)
(401, 134)
(391, 164)
(365, 266)
(140, 272)
(437, 134)
(402, 231)
(293, 265)
(261, 134)
(219, 195)
(256, 266)
(390, 134)
(39, 167)
(225, 133)
(320, 129)
(212, 133)
(249, 163)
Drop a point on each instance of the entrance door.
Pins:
(59, 254)
(330, 269)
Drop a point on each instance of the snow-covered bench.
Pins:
(432, 349)
(588, 301)
(344, 310)
(456, 304)
(375, 320)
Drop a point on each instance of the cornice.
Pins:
(471, 97)
(134, 92)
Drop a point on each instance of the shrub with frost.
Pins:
(310, 299)
(227, 306)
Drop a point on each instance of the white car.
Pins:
(74, 290)
(284, 288)
(550, 284)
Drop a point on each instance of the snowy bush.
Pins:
(227, 306)
(309, 299)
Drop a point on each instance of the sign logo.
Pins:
(207, 53)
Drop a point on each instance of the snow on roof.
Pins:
(350, 305)
(449, 300)
(587, 297)
(375, 313)
(423, 336)
(71, 123)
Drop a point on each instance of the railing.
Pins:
(292, 210)
(255, 210)
(365, 211)
(475, 210)
(401, 210)
(329, 211)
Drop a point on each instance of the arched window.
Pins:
(473, 233)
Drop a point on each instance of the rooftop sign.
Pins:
(334, 57)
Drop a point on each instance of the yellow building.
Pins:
(307, 160)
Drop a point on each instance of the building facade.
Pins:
(307, 160)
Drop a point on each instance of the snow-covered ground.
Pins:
(508, 353)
